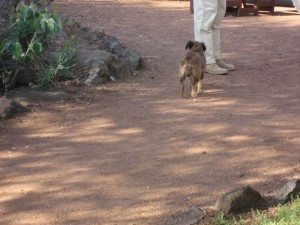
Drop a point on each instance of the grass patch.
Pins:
(288, 214)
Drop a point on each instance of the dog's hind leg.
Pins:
(193, 89)
(200, 82)
(182, 86)
(199, 89)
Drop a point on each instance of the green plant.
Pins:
(27, 43)
(45, 80)
(64, 62)
(221, 220)
(31, 26)
(288, 214)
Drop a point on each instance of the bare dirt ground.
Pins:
(133, 151)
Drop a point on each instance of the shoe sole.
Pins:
(225, 73)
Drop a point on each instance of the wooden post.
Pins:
(191, 7)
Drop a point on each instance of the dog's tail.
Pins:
(188, 70)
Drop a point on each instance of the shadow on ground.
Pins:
(135, 153)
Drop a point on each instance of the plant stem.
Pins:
(11, 82)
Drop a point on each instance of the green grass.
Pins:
(288, 214)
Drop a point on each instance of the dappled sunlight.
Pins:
(85, 164)
(213, 128)
(216, 91)
(11, 154)
(38, 218)
(92, 139)
(137, 152)
(252, 181)
(238, 138)
(129, 131)
(280, 171)
(181, 170)
(220, 103)
(198, 150)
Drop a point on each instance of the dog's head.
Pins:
(195, 46)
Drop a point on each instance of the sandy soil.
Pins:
(133, 151)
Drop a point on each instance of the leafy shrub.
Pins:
(28, 42)
(64, 62)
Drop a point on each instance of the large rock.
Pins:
(289, 192)
(9, 108)
(240, 200)
(103, 66)
(86, 58)
(120, 61)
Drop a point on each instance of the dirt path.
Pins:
(138, 153)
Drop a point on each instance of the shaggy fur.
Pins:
(193, 66)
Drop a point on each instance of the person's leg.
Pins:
(216, 27)
(205, 13)
(216, 36)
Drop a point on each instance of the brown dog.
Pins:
(193, 66)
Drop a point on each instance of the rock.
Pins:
(87, 58)
(8, 108)
(290, 191)
(94, 60)
(75, 82)
(112, 45)
(120, 62)
(98, 74)
(133, 57)
(25, 77)
(120, 68)
(240, 200)
(95, 36)
(189, 217)
(72, 27)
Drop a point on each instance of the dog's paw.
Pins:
(194, 95)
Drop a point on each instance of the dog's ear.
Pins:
(189, 45)
(203, 47)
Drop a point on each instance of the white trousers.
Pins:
(208, 15)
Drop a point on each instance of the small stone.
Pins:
(133, 57)
(9, 108)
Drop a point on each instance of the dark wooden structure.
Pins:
(236, 4)
(191, 6)
(247, 6)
